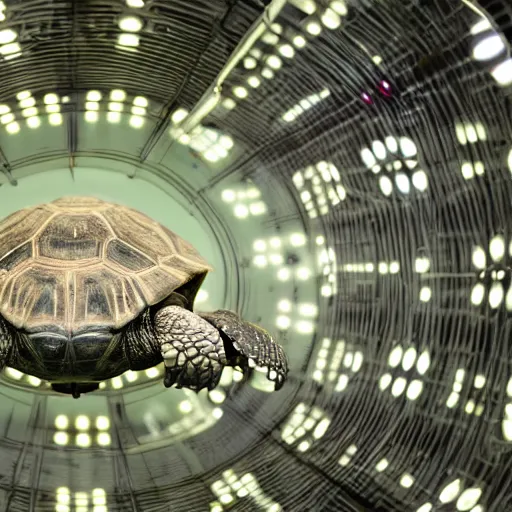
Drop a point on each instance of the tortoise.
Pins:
(90, 289)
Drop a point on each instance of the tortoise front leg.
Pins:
(192, 349)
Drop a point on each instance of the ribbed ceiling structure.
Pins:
(346, 167)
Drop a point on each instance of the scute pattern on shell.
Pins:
(81, 262)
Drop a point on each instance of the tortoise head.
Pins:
(75, 388)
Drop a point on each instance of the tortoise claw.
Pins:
(254, 346)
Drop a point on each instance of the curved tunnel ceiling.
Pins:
(345, 166)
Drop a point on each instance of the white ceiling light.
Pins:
(270, 38)
(286, 50)
(339, 7)
(386, 186)
(240, 92)
(274, 62)
(241, 211)
(379, 150)
(29, 112)
(502, 73)
(179, 115)
(314, 28)
(23, 95)
(93, 96)
(283, 274)
(299, 41)
(267, 73)
(7, 118)
(136, 122)
(117, 95)
(450, 492)
(140, 101)
(129, 40)
(7, 36)
(51, 99)
(297, 239)
(102, 423)
(33, 122)
(407, 147)
(138, 111)
(488, 48)
(92, 105)
(83, 440)
(55, 119)
(331, 19)
(10, 50)
(306, 6)
(60, 438)
(250, 63)
(114, 106)
(254, 81)
(420, 180)
(228, 196)
(61, 422)
(130, 23)
(480, 26)
(283, 322)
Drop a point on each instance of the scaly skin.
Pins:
(196, 347)
(253, 345)
(192, 349)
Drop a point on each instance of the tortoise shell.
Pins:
(83, 264)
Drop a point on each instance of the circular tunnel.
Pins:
(345, 168)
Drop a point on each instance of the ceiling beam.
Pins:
(72, 123)
(6, 168)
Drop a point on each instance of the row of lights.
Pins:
(506, 424)
(305, 425)
(30, 112)
(230, 485)
(328, 267)
(245, 202)
(467, 499)
(128, 39)
(323, 357)
(269, 251)
(470, 133)
(319, 185)
(271, 63)
(80, 501)
(80, 429)
(131, 376)
(453, 399)
(497, 289)
(211, 144)
(52, 107)
(16, 375)
(302, 311)
(395, 156)
(410, 362)
(115, 106)
(304, 104)
(9, 47)
(489, 46)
